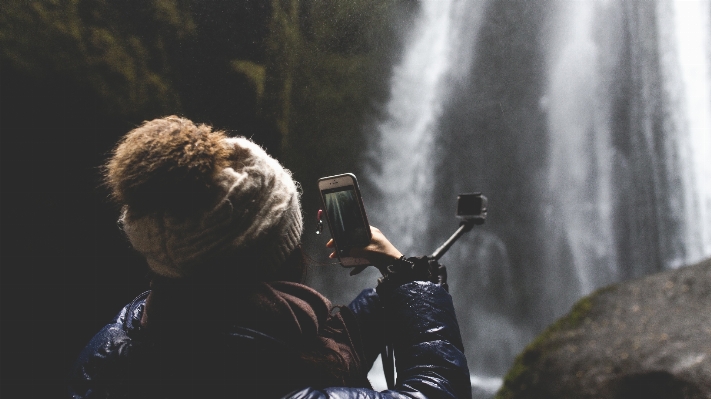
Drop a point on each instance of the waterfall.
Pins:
(589, 173)
(580, 162)
(691, 49)
(403, 174)
(588, 126)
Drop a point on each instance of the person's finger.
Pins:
(329, 244)
(332, 255)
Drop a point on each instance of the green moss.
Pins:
(255, 73)
(521, 374)
(320, 69)
(97, 43)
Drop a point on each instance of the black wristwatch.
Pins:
(405, 270)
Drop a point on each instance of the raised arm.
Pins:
(420, 320)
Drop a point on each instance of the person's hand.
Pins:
(380, 252)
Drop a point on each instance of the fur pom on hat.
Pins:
(191, 195)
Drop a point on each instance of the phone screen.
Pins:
(347, 221)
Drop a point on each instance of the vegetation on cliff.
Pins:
(296, 73)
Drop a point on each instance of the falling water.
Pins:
(588, 126)
(579, 175)
(692, 49)
(406, 138)
(589, 171)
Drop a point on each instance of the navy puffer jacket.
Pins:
(419, 317)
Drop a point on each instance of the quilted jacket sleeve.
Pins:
(101, 370)
(428, 346)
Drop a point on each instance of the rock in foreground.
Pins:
(648, 338)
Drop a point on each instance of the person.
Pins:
(219, 223)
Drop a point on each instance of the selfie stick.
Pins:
(468, 220)
(464, 227)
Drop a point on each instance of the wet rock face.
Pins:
(654, 384)
(649, 338)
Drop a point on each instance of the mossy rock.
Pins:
(646, 338)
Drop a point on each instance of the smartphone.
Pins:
(346, 216)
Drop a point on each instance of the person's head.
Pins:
(194, 199)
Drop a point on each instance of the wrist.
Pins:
(401, 271)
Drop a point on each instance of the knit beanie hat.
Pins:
(191, 195)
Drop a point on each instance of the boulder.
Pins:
(648, 338)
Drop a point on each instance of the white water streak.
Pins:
(692, 28)
(405, 140)
(580, 165)
(485, 383)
